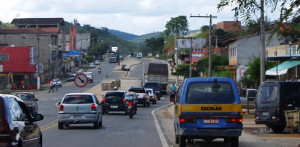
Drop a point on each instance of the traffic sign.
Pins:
(81, 80)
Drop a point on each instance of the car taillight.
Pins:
(93, 107)
(124, 100)
(103, 99)
(144, 95)
(237, 119)
(130, 104)
(61, 108)
(187, 119)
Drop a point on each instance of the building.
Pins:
(242, 50)
(45, 35)
(20, 62)
(229, 26)
(287, 59)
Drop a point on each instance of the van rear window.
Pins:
(78, 99)
(210, 93)
(268, 94)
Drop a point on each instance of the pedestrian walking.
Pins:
(173, 88)
(56, 87)
(51, 86)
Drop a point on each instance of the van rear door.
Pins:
(267, 100)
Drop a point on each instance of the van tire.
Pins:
(182, 141)
(277, 128)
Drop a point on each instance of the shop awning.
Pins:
(282, 68)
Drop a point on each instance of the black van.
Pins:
(273, 98)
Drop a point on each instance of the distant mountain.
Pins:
(123, 35)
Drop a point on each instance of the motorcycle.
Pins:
(99, 70)
(131, 108)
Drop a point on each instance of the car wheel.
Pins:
(234, 141)
(60, 125)
(176, 139)
(96, 125)
(100, 124)
(277, 128)
(182, 141)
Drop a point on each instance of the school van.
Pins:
(207, 108)
(272, 100)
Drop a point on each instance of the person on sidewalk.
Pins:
(173, 88)
(51, 87)
(56, 87)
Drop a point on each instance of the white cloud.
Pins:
(132, 16)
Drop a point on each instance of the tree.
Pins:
(99, 50)
(177, 25)
(246, 9)
(251, 78)
(155, 45)
(202, 65)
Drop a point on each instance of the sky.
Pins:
(131, 16)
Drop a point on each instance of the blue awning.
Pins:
(282, 68)
(73, 52)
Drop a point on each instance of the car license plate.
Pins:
(265, 114)
(76, 116)
(114, 107)
(211, 120)
(129, 107)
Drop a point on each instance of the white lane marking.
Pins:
(158, 128)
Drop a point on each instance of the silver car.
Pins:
(79, 108)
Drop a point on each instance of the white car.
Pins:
(152, 95)
(97, 62)
(89, 76)
(79, 108)
(80, 71)
(92, 65)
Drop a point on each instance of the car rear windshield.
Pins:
(138, 90)
(78, 99)
(252, 93)
(130, 97)
(114, 94)
(25, 96)
(268, 94)
(151, 85)
(210, 93)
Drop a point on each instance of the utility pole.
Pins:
(262, 43)
(38, 62)
(210, 48)
(191, 57)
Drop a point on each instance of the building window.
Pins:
(4, 57)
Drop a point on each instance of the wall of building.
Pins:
(31, 40)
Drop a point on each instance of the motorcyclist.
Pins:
(99, 70)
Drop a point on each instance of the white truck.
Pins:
(158, 72)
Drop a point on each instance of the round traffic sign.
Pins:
(81, 80)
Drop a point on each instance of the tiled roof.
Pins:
(38, 21)
(53, 31)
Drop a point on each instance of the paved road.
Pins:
(117, 130)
